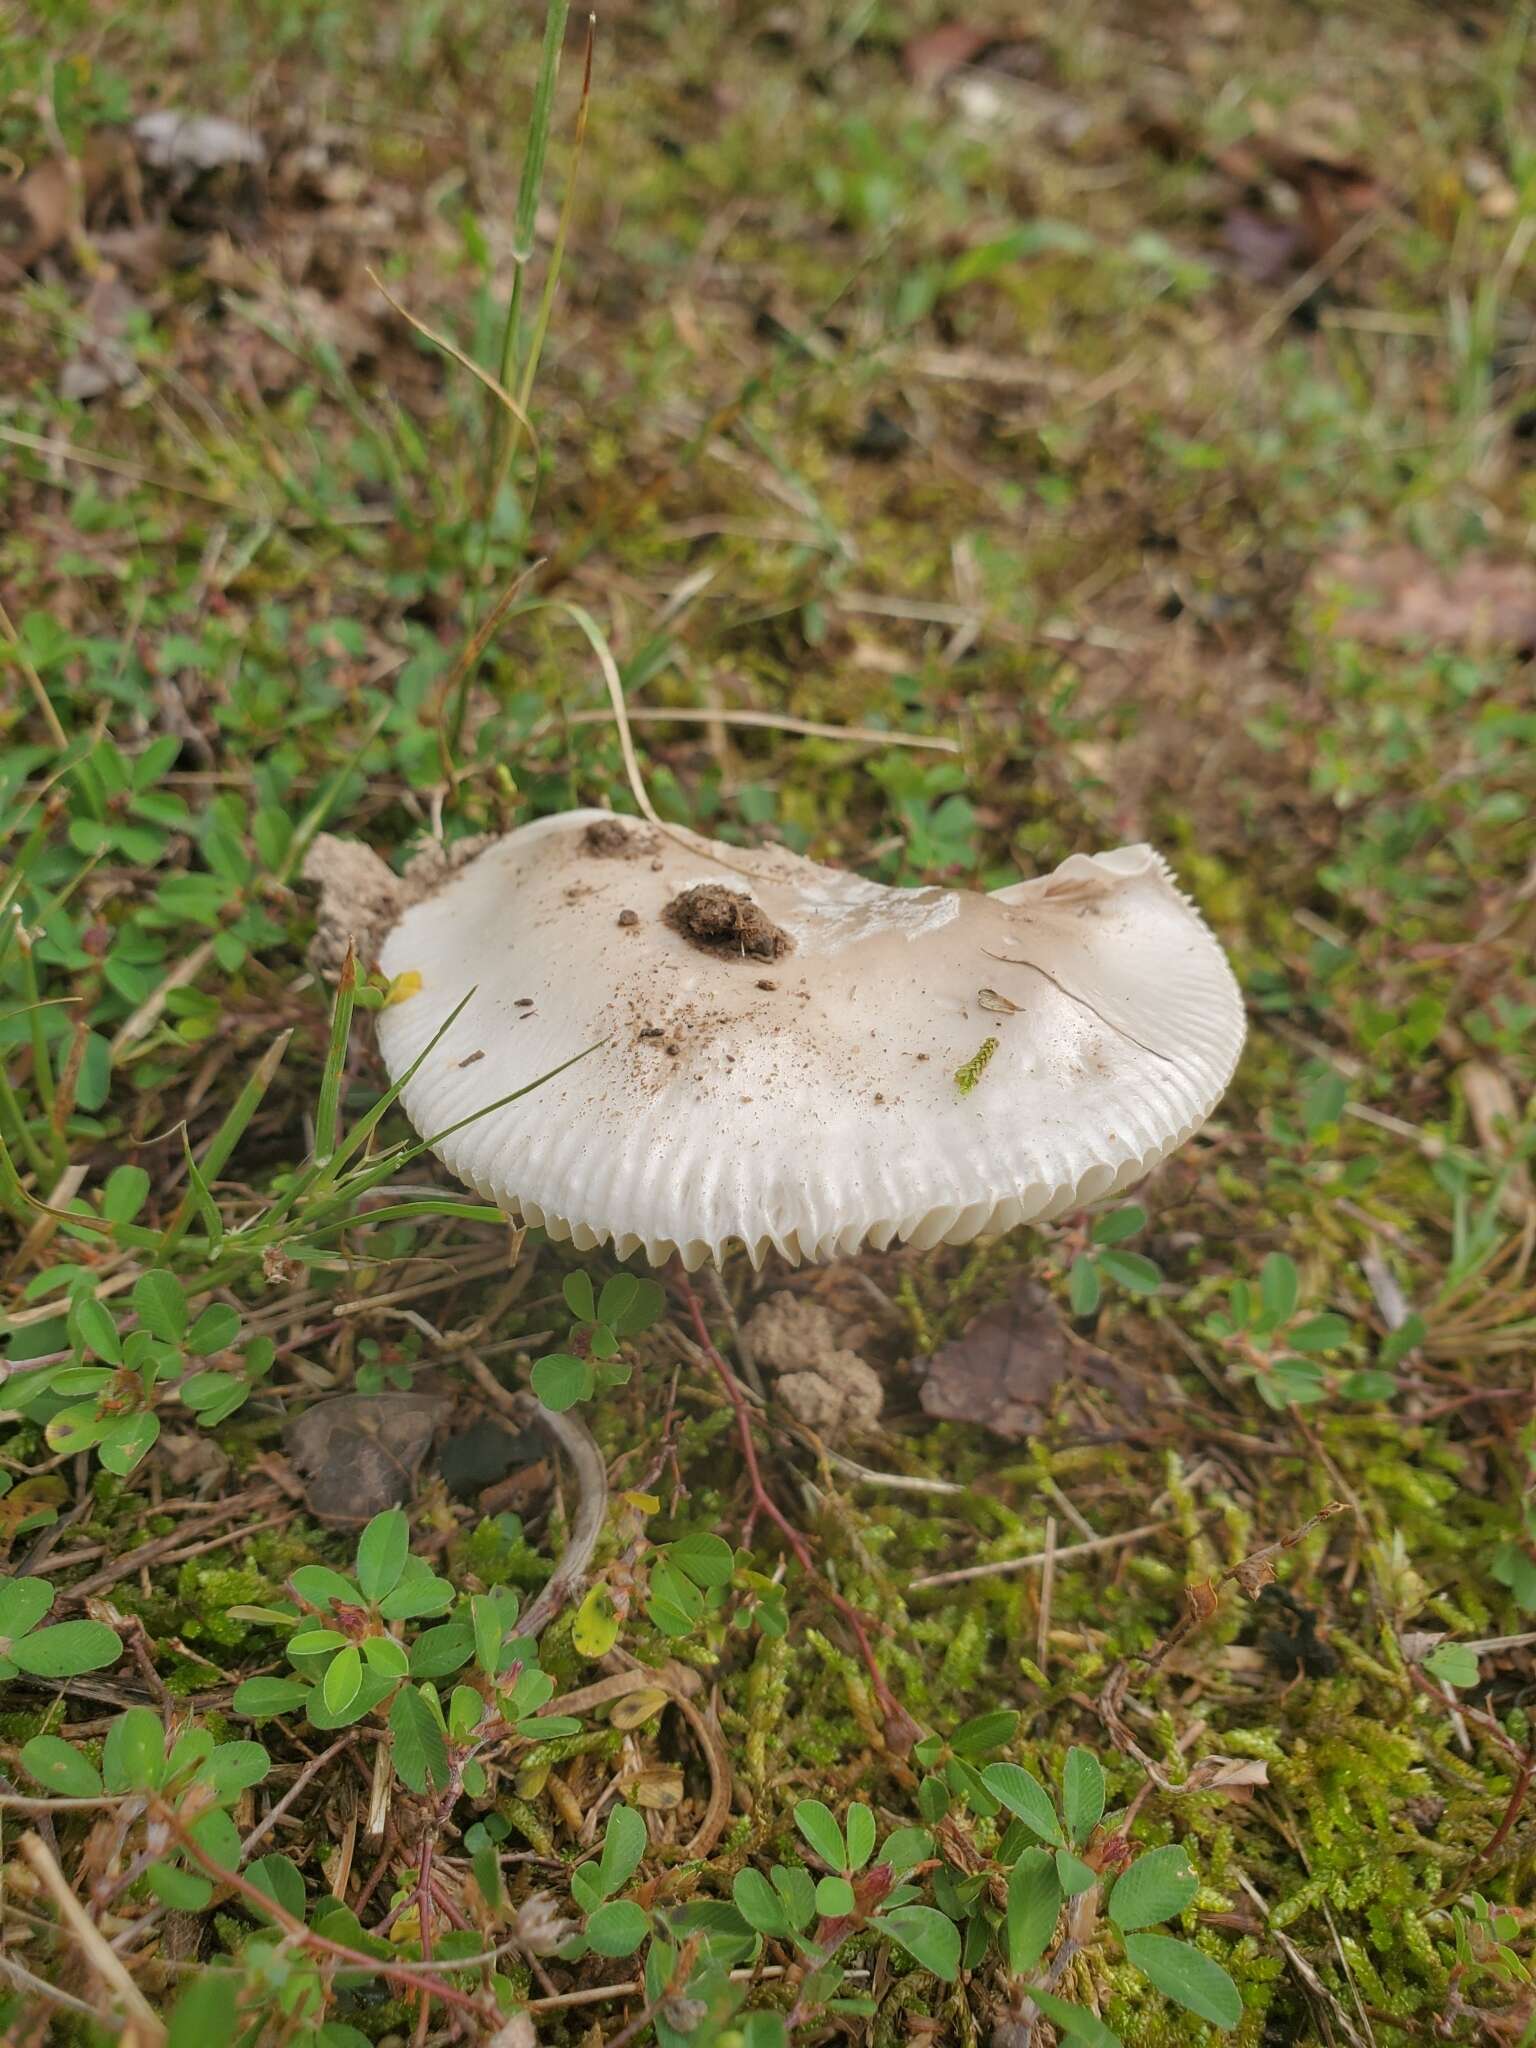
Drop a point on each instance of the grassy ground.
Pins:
(948, 405)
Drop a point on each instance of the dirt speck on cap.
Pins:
(612, 839)
(629, 917)
(720, 920)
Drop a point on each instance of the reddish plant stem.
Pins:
(1501, 1833)
(1524, 1761)
(386, 1854)
(424, 1931)
(764, 1503)
(400, 1974)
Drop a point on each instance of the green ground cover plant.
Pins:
(958, 444)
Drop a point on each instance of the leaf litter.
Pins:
(1006, 1369)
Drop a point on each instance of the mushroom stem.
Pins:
(901, 1730)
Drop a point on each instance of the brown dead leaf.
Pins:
(100, 362)
(1004, 1369)
(34, 218)
(930, 60)
(1397, 597)
(360, 1453)
(31, 1504)
(1253, 1574)
(1328, 187)
(193, 1461)
(658, 1789)
(38, 211)
(1300, 190)
(1234, 1774)
(1495, 1114)
(1262, 248)
(1200, 1602)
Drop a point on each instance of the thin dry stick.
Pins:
(1304, 1969)
(576, 1440)
(310, 1771)
(900, 1722)
(49, 1993)
(169, 1550)
(596, 1994)
(99, 1953)
(771, 721)
(65, 451)
(411, 1979)
(1037, 1558)
(1047, 1592)
(898, 1482)
(24, 662)
(492, 384)
(147, 1015)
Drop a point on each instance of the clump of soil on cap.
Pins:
(611, 839)
(719, 920)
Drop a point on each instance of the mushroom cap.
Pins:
(923, 1064)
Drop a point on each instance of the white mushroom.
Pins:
(780, 1053)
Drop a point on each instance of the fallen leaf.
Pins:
(1495, 1113)
(193, 1461)
(1226, 1774)
(31, 1504)
(100, 362)
(1201, 1601)
(1300, 190)
(1329, 188)
(1418, 1643)
(1397, 597)
(1003, 1370)
(1262, 249)
(659, 1790)
(34, 218)
(360, 1453)
(636, 1708)
(929, 59)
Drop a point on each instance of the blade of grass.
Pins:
(12, 1193)
(200, 1198)
(397, 1158)
(615, 682)
(534, 151)
(328, 1107)
(462, 1212)
(326, 1176)
(501, 438)
(455, 689)
(495, 386)
(225, 1139)
(562, 232)
(315, 817)
(24, 662)
(42, 1060)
